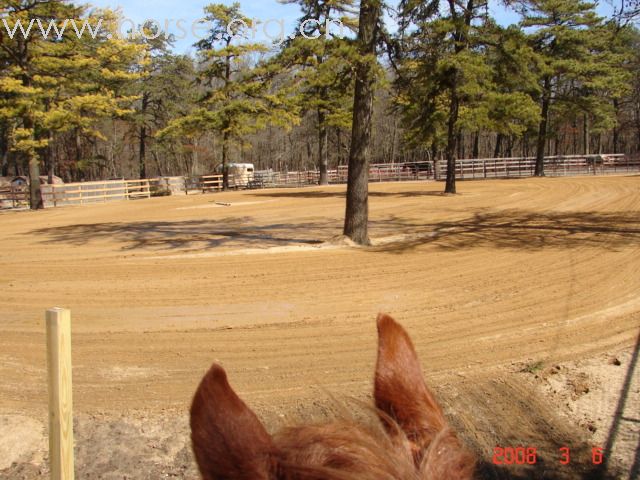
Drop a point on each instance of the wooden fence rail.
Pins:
(14, 196)
(568, 165)
(108, 190)
(91, 192)
(211, 183)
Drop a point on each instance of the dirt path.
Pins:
(509, 271)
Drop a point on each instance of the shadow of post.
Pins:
(619, 417)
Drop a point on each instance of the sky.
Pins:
(277, 19)
(167, 12)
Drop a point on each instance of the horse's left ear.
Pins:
(229, 441)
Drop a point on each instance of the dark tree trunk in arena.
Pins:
(357, 212)
(542, 131)
(454, 108)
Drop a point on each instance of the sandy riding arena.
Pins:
(522, 297)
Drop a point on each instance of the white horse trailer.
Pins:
(240, 174)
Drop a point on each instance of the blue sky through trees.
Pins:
(168, 12)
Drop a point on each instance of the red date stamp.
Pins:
(515, 455)
(529, 455)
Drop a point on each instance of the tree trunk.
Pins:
(143, 137)
(225, 135)
(434, 159)
(156, 159)
(357, 211)
(638, 128)
(452, 137)
(616, 128)
(323, 148)
(542, 131)
(78, 145)
(498, 150)
(4, 153)
(225, 167)
(476, 145)
(35, 192)
(394, 140)
(33, 161)
(460, 36)
(587, 135)
(143, 152)
(51, 160)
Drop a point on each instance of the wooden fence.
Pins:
(13, 197)
(569, 165)
(93, 192)
(108, 190)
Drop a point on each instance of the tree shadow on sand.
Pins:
(511, 229)
(517, 229)
(315, 194)
(191, 234)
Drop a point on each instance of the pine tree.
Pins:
(357, 211)
(164, 74)
(501, 98)
(61, 83)
(322, 68)
(237, 98)
(443, 67)
(562, 35)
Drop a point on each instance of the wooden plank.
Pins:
(93, 190)
(79, 184)
(128, 182)
(58, 323)
(87, 199)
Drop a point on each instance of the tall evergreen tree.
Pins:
(64, 82)
(237, 100)
(562, 35)
(444, 62)
(164, 74)
(321, 67)
(356, 223)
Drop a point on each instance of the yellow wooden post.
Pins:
(60, 393)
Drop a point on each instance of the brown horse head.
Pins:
(416, 443)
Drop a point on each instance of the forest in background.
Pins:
(449, 83)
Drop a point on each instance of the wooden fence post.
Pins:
(58, 322)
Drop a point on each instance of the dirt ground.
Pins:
(522, 298)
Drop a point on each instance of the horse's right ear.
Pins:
(229, 441)
(400, 390)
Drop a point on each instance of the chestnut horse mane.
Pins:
(413, 440)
